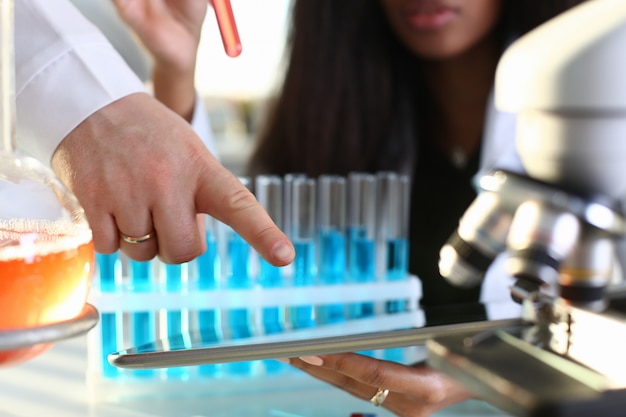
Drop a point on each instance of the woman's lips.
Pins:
(430, 16)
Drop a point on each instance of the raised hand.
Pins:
(170, 30)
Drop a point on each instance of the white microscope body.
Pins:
(566, 81)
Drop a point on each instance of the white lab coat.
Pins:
(66, 69)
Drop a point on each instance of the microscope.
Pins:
(557, 225)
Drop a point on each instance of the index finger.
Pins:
(223, 196)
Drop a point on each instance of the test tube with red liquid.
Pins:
(227, 26)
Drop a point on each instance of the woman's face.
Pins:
(441, 29)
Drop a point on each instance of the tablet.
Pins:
(197, 348)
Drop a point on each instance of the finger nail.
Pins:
(283, 252)
(312, 360)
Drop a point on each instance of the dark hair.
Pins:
(350, 91)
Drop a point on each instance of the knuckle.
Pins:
(241, 200)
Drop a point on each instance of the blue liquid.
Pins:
(332, 271)
(397, 269)
(143, 322)
(362, 268)
(272, 317)
(208, 265)
(110, 323)
(238, 253)
(209, 335)
(239, 319)
(397, 259)
(302, 317)
(175, 323)
(209, 320)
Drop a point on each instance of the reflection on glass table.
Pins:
(54, 385)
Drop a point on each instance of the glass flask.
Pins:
(46, 248)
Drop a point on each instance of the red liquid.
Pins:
(43, 285)
(228, 27)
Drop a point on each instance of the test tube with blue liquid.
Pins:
(238, 276)
(362, 236)
(269, 192)
(332, 242)
(287, 207)
(143, 323)
(111, 323)
(303, 237)
(393, 232)
(288, 180)
(393, 240)
(208, 273)
(395, 226)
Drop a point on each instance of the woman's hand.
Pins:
(170, 30)
(414, 391)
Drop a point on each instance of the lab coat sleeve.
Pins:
(65, 71)
(202, 125)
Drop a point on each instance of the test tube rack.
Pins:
(107, 384)
(350, 275)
